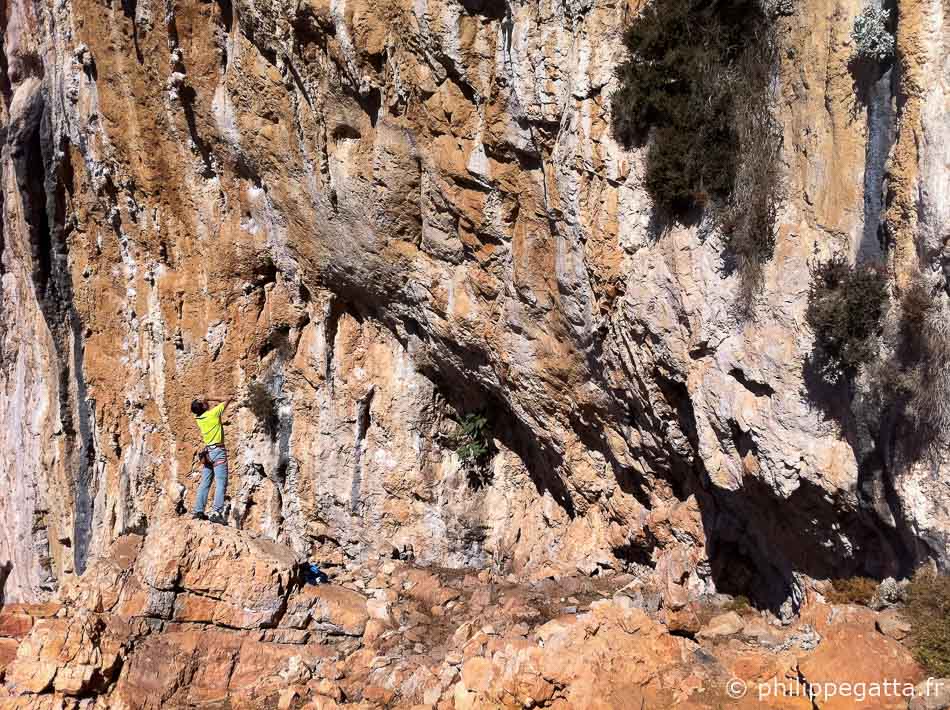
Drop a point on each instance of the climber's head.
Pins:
(198, 407)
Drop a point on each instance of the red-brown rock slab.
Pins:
(195, 608)
(191, 666)
(39, 610)
(14, 625)
(428, 588)
(326, 607)
(43, 610)
(244, 580)
(8, 649)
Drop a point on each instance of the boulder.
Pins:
(888, 593)
(75, 656)
(721, 625)
(221, 575)
(103, 583)
(893, 625)
(644, 596)
(477, 674)
(686, 621)
(763, 633)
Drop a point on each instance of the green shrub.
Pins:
(928, 611)
(473, 445)
(916, 302)
(472, 441)
(852, 590)
(901, 401)
(845, 307)
(681, 79)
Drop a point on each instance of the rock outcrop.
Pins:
(196, 615)
(371, 219)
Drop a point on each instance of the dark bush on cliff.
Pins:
(696, 89)
(845, 307)
(679, 79)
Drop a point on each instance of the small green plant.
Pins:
(845, 306)
(852, 590)
(264, 405)
(472, 441)
(473, 445)
(873, 40)
(928, 611)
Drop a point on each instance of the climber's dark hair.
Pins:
(198, 407)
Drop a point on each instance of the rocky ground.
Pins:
(199, 615)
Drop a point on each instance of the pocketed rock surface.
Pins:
(197, 615)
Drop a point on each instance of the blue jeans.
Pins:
(219, 459)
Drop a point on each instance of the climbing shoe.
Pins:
(217, 518)
(198, 516)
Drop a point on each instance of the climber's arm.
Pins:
(221, 401)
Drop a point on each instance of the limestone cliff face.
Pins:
(389, 214)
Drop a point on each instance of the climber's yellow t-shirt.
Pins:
(210, 425)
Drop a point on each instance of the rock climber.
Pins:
(214, 458)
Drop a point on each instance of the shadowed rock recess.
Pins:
(373, 221)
